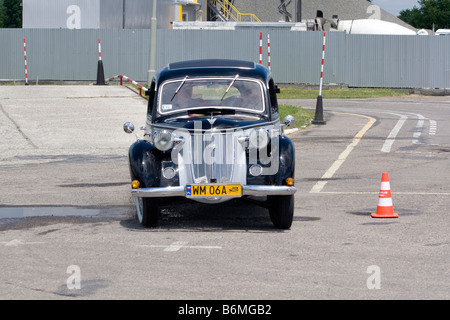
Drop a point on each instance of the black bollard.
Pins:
(100, 74)
(318, 117)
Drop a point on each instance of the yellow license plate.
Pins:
(213, 190)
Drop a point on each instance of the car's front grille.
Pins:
(215, 162)
(213, 158)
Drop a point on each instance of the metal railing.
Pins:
(229, 11)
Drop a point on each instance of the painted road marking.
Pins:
(17, 242)
(177, 245)
(393, 134)
(419, 127)
(317, 188)
(433, 127)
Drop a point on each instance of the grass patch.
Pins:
(357, 93)
(302, 116)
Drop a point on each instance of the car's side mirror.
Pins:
(277, 90)
(128, 127)
(289, 121)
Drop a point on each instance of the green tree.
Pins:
(1, 13)
(11, 14)
(430, 12)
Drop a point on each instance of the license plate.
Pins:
(213, 190)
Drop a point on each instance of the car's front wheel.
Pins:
(281, 210)
(148, 211)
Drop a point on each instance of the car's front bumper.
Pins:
(247, 190)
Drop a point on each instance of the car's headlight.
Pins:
(259, 138)
(163, 140)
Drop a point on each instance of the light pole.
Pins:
(152, 61)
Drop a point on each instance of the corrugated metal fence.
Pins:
(355, 60)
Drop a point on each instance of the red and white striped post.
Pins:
(25, 57)
(100, 72)
(323, 60)
(99, 50)
(318, 118)
(260, 48)
(268, 50)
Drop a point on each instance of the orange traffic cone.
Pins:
(385, 208)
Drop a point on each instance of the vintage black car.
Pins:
(213, 133)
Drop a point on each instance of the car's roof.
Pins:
(211, 68)
(212, 63)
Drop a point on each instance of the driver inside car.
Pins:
(250, 95)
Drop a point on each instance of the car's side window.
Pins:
(151, 98)
(273, 96)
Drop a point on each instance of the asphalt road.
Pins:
(67, 229)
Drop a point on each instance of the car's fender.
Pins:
(285, 165)
(287, 160)
(145, 163)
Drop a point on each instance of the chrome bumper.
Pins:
(247, 190)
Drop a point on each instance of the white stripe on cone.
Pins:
(385, 202)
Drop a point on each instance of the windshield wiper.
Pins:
(179, 87)
(232, 82)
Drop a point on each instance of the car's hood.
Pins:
(222, 122)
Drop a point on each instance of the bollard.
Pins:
(318, 118)
(100, 71)
(100, 74)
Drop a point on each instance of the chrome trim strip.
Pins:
(159, 192)
(261, 84)
(263, 123)
(247, 190)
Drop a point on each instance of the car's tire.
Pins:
(148, 211)
(281, 210)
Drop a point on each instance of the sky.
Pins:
(395, 6)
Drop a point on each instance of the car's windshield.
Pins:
(230, 93)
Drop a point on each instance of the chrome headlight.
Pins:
(259, 138)
(255, 170)
(163, 140)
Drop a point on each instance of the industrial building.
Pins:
(137, 14)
